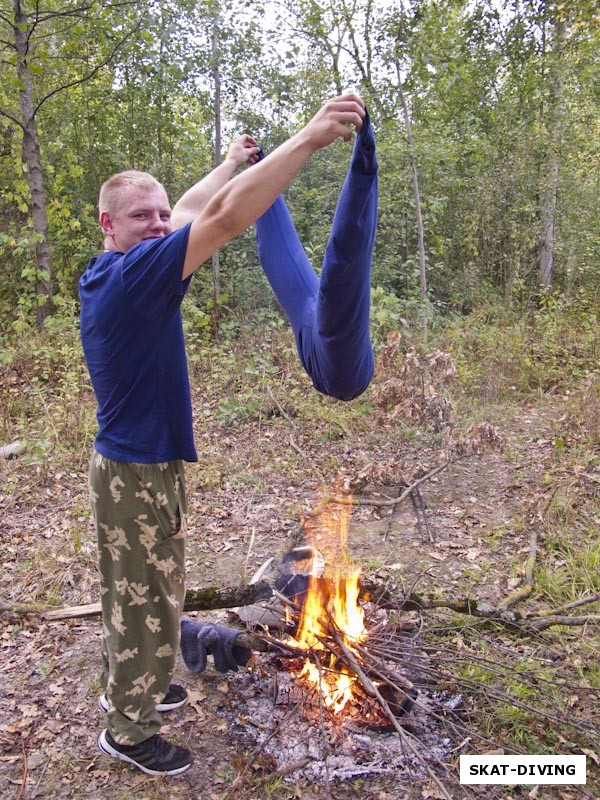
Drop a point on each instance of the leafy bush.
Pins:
(44, 388)
(501, 353)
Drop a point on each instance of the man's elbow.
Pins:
(225, 218)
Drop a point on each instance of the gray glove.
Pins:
(201, 639)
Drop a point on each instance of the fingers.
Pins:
(244, 150)
(344, 113)
(353, 110)
(247, 140)
(349, 99)
(251, 147)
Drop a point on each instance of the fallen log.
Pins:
(213, 598)
(208, 599)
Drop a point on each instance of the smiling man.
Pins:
(133, 342)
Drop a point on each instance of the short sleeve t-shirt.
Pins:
(132, 337)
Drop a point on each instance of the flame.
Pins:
(331, 601)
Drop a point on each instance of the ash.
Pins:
(268, 714)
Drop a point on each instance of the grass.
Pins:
(249, 386)
(575, 575)
(518, 355)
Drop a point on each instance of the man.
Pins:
(133, 342)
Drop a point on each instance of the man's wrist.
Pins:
(231, 163)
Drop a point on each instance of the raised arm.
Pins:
(243, 199)
(242, 150)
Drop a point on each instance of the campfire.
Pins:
(330, 632)
(329, 696)
(332, 695)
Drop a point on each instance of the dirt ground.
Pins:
(248, 496)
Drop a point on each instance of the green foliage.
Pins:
(502, 354)
(386, 313)
(478, 85)
(44, 388)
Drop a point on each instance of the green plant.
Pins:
(504, 356)
(573, 576)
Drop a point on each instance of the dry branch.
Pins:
(373, 691)
(524, 591)
(355, 500)
(583, 601)
(542, 623)
(212, 598)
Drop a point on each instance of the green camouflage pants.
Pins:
(139, 512)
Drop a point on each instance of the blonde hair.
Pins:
(112, 189)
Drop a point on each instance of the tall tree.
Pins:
(416, 188)
(554, 114)
(216, 77)
(33, 39)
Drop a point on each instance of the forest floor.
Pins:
(261, 473)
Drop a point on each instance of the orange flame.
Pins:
(331, 602)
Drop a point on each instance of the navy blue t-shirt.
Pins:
(132, 337)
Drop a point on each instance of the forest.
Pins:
(472, 462)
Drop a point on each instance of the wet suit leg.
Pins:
(329, 314)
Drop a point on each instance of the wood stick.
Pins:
(524, 591)
(540, 624)
(208, 599)
(373, 691)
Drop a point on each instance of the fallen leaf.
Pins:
(591, 754)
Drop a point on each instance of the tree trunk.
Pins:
(416, 191)
(548, 214)
(550, 189)
(32, 162)
(216, 74)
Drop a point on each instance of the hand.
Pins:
(243, 150)
(335, 118)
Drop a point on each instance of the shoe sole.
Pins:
(164, 708)
(106, 748)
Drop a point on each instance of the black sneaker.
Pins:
(154, 756)
(175, 698)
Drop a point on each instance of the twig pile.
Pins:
(429, 673)
(380, 676)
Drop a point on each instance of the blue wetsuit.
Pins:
(329, 314)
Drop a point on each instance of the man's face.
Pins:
(141, 214)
